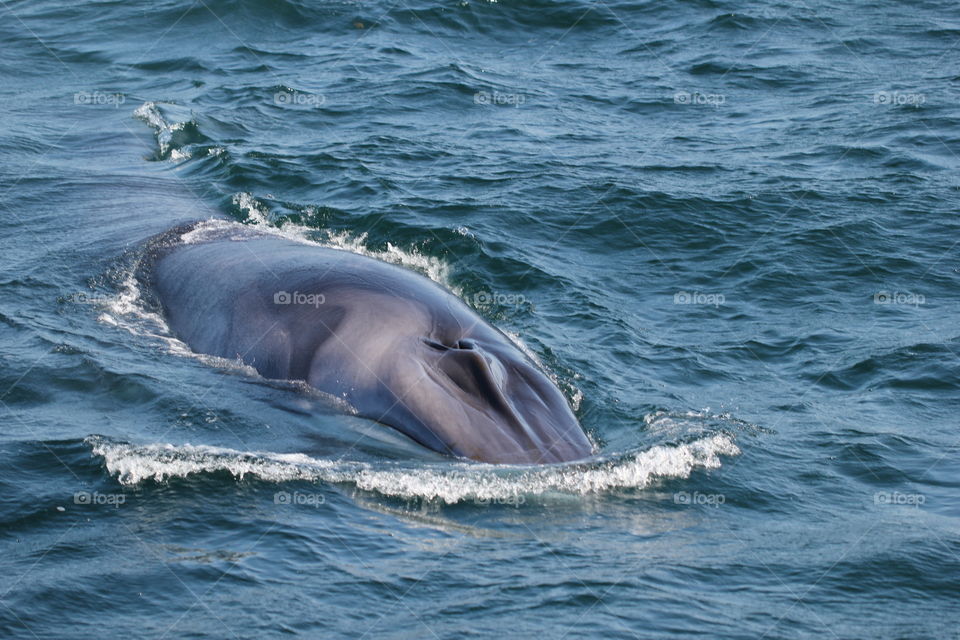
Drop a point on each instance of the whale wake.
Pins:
(448, 483)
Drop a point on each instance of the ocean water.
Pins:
(728, 229)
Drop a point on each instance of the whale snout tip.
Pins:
(509, 411)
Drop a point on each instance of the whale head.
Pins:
(394, 345)
(480, 397)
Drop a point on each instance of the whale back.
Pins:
(396, 346)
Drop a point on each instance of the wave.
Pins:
(258, 214)
(177, 140)
(448, 483)
(920, 368)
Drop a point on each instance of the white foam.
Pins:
(259, 214)
(669, 423)
(127, 311)
(520, 344)
(149, 113)
(206, 229)
(576, 398)
(448, 483)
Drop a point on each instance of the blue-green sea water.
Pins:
(729, 230)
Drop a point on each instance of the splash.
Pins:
(448, 483)
(165, 131)
(258, 214)
(126, 310)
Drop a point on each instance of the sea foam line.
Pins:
(451, 483)
(258, 214)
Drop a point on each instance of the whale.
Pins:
(394, 345)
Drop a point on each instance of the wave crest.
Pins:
(449, 483)
(177, 141)
(258, 214)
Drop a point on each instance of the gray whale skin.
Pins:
(400, 349)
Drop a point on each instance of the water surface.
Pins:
(728, 230)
